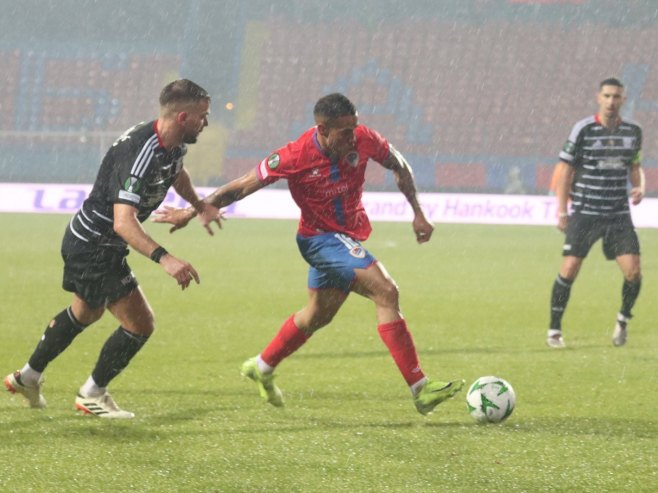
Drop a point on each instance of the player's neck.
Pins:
(169, 137)
(610, 122)
(322, 142)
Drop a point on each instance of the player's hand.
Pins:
(171, 215)
(180, 270)
(562, 222)
(423, 228)
(209, 214)
(637, 194)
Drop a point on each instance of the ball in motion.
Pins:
(490, 400)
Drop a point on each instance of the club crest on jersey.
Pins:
(273, 161)
(132, 184)
(352, 159)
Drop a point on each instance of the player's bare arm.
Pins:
(130, 229)
(404, 178)
(564, 180)
(636, 178)
(222, 197)
(206, 213)
(235, 190)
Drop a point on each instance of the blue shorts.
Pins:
(333, 258)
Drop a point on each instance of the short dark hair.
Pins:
(333, 106)
(611, 81)
(182, 91)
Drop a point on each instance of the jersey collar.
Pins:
(598, 120)
(155, 129)
(317, 143)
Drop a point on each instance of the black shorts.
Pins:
(99, 275)
(618, 234)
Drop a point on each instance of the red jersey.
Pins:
(327, 192)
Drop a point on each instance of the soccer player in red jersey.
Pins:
(325, 168)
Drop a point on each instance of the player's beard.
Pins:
(190, 139)
(342, 151)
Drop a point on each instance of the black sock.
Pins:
(117, 352)
(559, 299)
(58, 336)
(629, 293)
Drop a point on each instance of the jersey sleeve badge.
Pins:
(569, 147)
(132, 184)
(130, 188)
(273, 161)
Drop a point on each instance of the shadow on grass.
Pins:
(538, 348)
(565, 426)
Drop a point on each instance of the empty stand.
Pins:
(487, 93)
(466, 99)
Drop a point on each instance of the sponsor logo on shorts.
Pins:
(127, 279)
(353, 246)
(358, 252)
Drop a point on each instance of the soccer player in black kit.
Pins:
(133, 180)
(602, 154)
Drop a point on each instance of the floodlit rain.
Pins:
(479, 95)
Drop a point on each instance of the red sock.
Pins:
(288, 340)
(401, 346)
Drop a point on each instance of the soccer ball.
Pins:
(490, 400)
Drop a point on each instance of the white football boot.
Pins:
(102, 406)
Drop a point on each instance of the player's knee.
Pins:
(144, 325)
(149, 325)
(89, 316)
(389, 294)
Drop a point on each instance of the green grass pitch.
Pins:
(476, 300)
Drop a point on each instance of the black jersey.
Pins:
(136, 171)
(602, 159)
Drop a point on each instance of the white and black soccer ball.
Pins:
(490, 400)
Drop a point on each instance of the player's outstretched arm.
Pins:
(222, 197)
(130, 229)
(404, 178)
(173, 215)
(235, 190)
(207, 213)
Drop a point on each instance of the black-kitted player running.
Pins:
(134, 178)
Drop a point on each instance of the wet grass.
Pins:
(476, 299)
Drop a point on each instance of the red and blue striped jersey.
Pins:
(327, 192)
